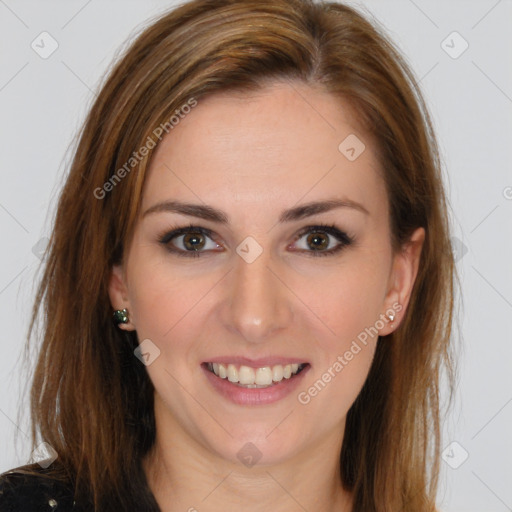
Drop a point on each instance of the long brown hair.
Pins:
(91, 399)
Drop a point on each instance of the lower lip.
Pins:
(254, 396)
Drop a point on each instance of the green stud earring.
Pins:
(120, 316)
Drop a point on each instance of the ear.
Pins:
(118, 293)
(401, 280)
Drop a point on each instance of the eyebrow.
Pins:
(296, 213)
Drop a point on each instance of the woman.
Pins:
(248, 293)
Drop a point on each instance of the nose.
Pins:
(257, 304)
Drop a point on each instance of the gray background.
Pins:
(44, 100)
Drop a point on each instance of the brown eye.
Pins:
(322, 240)
(317, 241)
(193, 241)
(189, 241)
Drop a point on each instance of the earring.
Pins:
(120, 316)
(391, 317)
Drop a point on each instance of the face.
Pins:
(286, 268)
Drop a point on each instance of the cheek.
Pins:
(163, 298)
(344, 354)
(337, 304)
(348, 304)
(347, 301)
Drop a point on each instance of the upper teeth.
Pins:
(246, 375)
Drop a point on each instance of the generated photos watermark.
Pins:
(304, 397)
(143, 151)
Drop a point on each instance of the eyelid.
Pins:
(175, 232)
(344, 239)
(330, 229)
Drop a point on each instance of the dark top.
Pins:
(21, 491)
(32, 488)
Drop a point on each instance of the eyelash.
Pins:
(343, 238)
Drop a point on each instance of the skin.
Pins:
(254, 155)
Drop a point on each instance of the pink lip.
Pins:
(253, 396)
(257, 363)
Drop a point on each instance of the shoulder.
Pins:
(31, 488)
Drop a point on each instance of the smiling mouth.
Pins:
(248, 377)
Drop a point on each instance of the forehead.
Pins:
(279, 144)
